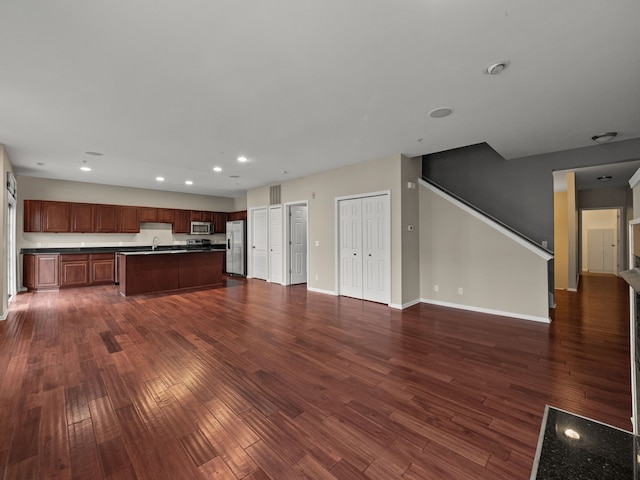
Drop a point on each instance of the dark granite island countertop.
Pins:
(574, 447)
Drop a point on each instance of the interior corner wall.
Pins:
(410, 172)
(320, 191)
(561, 241)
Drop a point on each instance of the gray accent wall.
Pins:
(518, 192)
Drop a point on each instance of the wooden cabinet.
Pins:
(181, 221)
(83, 216)
(240, 215)
(148, 214)
(56, 216)
(129, 220)
(101, 268)
(220, 222)
(40, 271)
(74, 270)
(32, 216)
(164, 215)
(107, 218)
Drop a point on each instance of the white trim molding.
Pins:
(488, 310)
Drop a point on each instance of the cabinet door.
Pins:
(182, 221)
(101, 268)
(220, 222)
(32, 215)
(56, 216)
(165, 215)
(46, 271)
(83, 217)
(74, 270)
(148, 214)
(207, 216)
(29, 270)
(129, 219)
(107, 217)
(196, 216)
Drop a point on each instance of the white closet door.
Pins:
(350, 212)
(259, 243)
(375, 248)
(275, 244)
(298, 229)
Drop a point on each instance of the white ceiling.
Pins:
(174, 88)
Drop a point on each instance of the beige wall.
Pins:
(321, 190)
(572, 233)
(33, 188)
(496, 273)
(560, 241)
(410, 172)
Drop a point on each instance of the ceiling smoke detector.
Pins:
(496, 68)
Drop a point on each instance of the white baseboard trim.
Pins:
(488, 310)
(319, 290)
(405, 305)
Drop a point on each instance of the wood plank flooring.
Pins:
(258, 381)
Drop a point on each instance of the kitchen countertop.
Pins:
(171, 252)
(140, 248)
(597, 450)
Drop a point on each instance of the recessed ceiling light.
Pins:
(188, 182)
(496, 68)
(40, 164)
(234, 176)
(217, 169)
(283, 172)
(440, 112)
(160, 179)
(95, 154)
(604, 178)
(242, 159)
(604, 137)
(85, 169)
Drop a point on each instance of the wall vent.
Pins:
(274, 195)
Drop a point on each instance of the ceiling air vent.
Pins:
(274, 195)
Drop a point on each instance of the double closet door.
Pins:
(364, 248)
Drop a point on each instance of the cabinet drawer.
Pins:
(73, 257)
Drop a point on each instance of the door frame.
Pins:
(269, 236)
(387, 194)
(622, 238)
(287, 240)
(249, 245)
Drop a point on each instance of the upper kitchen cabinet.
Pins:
(182, 221)
(164, 215)
(148, 214)
(107, 218)
(33, 215)
(201, 216)
(83, 216)
(220, 222)
(56, 216)
(129, 219)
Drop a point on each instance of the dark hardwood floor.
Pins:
(259, 381)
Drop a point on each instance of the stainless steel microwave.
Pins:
(201, 228)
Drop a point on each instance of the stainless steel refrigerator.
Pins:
(237, 248)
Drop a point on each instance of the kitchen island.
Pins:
(162, 271)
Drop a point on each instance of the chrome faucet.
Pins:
(155, 243)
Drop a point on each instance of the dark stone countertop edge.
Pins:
(142, 248)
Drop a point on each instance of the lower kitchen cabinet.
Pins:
(102, 268)
(74, 270)
(52, 271)
(40, 272)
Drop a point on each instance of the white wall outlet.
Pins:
(317, 243)
(316, 276)
(436, 288)
(544, 243)
(460, 291)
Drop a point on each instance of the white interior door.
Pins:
(259, 243)
(298, 238)
(275, 244)
(350, 225)
(601, 250)
(375, 236)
